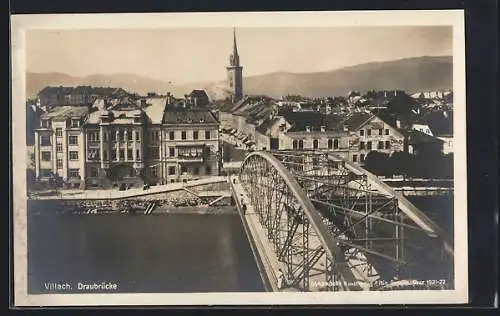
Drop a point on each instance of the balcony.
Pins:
(190, 158)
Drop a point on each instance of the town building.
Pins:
(235, 73)
(126, 140)
(368, 132)
(60, 144)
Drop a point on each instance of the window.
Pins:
(301, 144)
(93, 154)
(59, 163)
(315, 144)
(138, 154)
(183, 135)
(73, 140)
(93, 137)
(105, 136)
(73, 155)
(362, 132)
(46, 155)
(380, 131)
(93, 172)
(75, 123)
(171, 170)
(369, 145)
(171, 152)
(208, 170)
(45, 123)
(380, 145)
(74, 173)
(354, 158)
(45, 140)
(155, 152)
(155, 136)
(171, 135)
(362, 157)
(59, 147)
(196, 170)
(387, 144)
(387, 132)
(369, 132)
(330, 144)
(154, 172)
(105, 154)
(137, 136)
(294, 144)
(195, 135)
(115, 136)
(183, 169)
(122, 154)
(207, 134)
(122, 136)
(130, 153)
(361, 145)
(113, 155)
(129, 135)
(58, 132)
(336, 144)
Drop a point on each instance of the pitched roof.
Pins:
(418, 137)
(155, 107)
(65, 112)
(266, 125)
(358, 119)
(439, 122)
(315, 120)
(188, 116)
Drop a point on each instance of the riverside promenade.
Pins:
(113, 194)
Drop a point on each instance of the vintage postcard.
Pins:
(239, 158)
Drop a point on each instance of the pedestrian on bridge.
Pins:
(280, 278)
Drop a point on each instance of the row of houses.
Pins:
(126, 139)
(262, 124)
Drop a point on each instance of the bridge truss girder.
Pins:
(373, 238)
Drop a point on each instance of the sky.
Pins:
(201, 54)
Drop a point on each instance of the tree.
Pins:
(400, 163)
(377, 163)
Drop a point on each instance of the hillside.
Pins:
(420, 73)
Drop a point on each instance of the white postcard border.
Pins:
(21, 23)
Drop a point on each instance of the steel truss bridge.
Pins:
(334, 226)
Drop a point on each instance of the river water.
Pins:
(155, 253)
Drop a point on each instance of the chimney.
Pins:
(346, 128)
(323, 128)
(398, 123)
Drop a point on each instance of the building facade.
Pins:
(128, 142)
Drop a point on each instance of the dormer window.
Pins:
(308, 128)
(323, 128)
(45, 123)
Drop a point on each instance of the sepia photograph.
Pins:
(239, 158)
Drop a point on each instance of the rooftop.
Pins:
(155, 107)
(315, 120)
(358, 119)
(65, 112)
(188, 116)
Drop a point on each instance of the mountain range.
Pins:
(411, 74)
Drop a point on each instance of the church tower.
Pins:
(235, 73)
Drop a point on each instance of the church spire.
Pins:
(235, 59)
(235, 48)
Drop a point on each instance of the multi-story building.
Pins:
(131, 141)
(50, 97)
(60, 144)
(368, 132)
